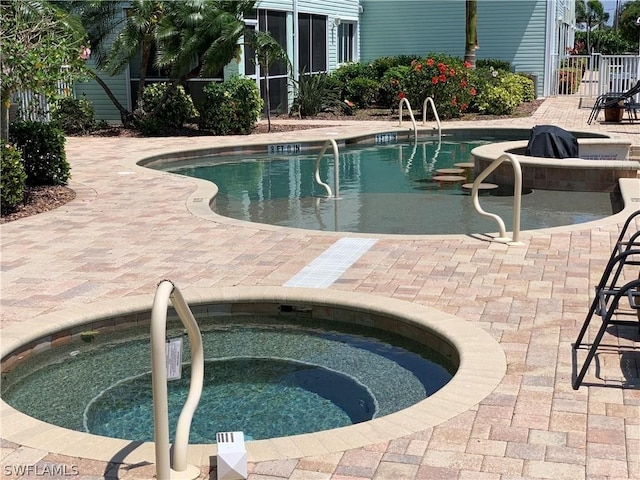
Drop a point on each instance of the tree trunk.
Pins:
(4, 118)
(471, 37)
(144, 62)
(125, 115)
(268, 102)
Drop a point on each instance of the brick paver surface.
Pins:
(128, 228)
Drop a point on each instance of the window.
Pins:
(346, 42)
(312, 43)
(275, 22)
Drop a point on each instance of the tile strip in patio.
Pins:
(332, 263)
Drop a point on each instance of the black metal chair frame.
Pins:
(613, 99)
(608, 294)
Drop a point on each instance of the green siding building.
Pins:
(319, 35)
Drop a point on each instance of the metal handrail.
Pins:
(404, 100)
(517, 197)
(429, 101)
(168, 291)
(336, 167)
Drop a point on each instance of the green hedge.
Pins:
(231, 107)
(42, 147)
(12, 178)
(177, 110)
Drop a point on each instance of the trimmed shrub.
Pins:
(42, 147)
(362, 91)
(176, 111)
(502, 96)
(382, 65)
(231, 107)
(528, 87)
(491, 62)
(391, 85)
(74, 116)
(315, 94)
(12, 177)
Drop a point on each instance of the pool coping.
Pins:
(482, 367)
(200, 200)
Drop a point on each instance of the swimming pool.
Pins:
(386, 188)
(268, 377)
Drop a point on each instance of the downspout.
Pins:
(549, 47)
(296, 53)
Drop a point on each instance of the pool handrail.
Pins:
(336, 168)
(517, 197)
(429, 101)
(404, 100)
(166, 291)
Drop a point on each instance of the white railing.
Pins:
(429, 101)
(593, 75)
(618, 73)
(413, 119)
(517, 197)
(181, 470)
(336, 168)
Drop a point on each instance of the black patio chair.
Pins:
(612, 99)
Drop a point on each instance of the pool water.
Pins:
(268, 377)
(384, 188)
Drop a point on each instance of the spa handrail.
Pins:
(429, 101)
(168, 291)
(404, 100)
(517, 196)
(336, 168)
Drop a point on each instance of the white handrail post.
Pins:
(517, 200)
(167, 290)
(195, 387)
(159, 379)
(413, 119)
(336, 168)
(429, 101)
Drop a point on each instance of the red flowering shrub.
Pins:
(442, 77)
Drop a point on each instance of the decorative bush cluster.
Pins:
(12, 177)
(443, 78)
(489, 89)
(500, 92)
(42, 147)
(74, 116)
(231, 107)
(175, 112)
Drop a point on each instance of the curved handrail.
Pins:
(429, 101)
(517, 196)
(336, 168)
(404, 100)
(168, 291)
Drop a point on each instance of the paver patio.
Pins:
(129, 227)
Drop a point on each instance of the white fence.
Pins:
(593, 75)
(35, 107)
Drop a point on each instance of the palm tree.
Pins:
(192, 38)
(592, 14)
(268, 51)
(471, 30)
(199, 38)
(135, 34)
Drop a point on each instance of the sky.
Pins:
(610, 7)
